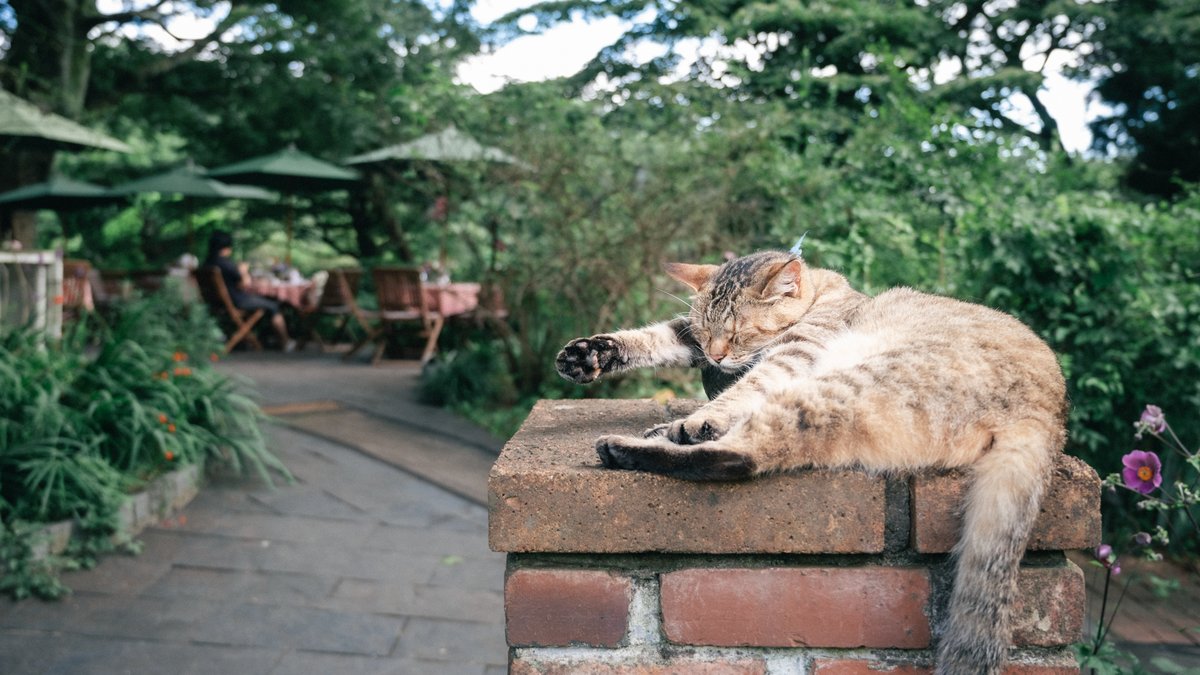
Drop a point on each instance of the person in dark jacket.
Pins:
(237, 281)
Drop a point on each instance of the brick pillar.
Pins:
(836, 573)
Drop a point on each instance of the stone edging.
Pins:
(159, 499)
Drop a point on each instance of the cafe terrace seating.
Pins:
(402, 299)
(237, 323)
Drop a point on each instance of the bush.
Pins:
(88, 419)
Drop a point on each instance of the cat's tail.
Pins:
(1001, 505)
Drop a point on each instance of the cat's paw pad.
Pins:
(613, 454)
(693, 430)
(582, 360)
(657, 430)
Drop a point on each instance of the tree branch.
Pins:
(150, 13)
(161, 66)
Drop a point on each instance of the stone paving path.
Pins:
(360, 566)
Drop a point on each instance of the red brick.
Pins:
(794, 607)
(1050, 607)
(864, 667)
(1070, 517)
(546, 608)
(530, 665)
(1062, 664)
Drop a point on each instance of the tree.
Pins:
(331, 74)
(1147, 62)
(981, 55)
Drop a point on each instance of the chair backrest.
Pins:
(76, 284)
(148, 281)
(399, 289)
(340, 288)
(213, 291)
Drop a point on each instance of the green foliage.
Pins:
(86, 420)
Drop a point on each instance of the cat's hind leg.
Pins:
(713, 460)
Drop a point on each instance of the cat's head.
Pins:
(739, 308)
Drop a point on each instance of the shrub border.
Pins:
(161, 498)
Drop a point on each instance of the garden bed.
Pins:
(161, 498)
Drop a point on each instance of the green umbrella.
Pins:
(58, 194)
(22, 122)
(190, 181)
(447, 145)
(289, 171)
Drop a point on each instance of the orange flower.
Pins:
(163, 375)
(179, 356)
(171, 428)
(169, 455)
(162, 418)
(213, 357)
(183, 371)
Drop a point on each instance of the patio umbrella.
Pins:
(289, 171)
(58, 194)
(22, 122)
(447, 145)
(190, 181)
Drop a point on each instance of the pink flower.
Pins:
(1154, 419)
(1143, 471)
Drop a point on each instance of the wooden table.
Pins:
(290, 293)
(451, 299)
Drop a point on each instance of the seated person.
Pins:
(237, 281)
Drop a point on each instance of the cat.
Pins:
(832, 378)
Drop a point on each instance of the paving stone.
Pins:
(482, 573)
(440, 640)
(437, 602)
(299, 628)
(119, 574)
(279, 588)
(54, 655)
(307, 530)
(399, 538)
(310, 663)
(310, 501)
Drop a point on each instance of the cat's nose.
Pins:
(718, 350)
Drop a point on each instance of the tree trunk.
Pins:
(48, 62)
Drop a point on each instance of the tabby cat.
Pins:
(834, 378)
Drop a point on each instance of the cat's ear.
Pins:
(692, 275)
(783, 280)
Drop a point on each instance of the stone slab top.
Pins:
(547, 493)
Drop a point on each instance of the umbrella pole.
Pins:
(291, 214)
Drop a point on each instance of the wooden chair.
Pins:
(401, 296)
(77, 288)
(338, 298)
(236, 323)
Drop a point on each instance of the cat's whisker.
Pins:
(685, 302)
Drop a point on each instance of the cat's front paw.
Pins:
(582, 360)
(696, 429)
(657, 430)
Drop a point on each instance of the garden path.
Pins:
(360, 566)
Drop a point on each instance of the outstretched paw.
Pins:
(657, 430)
(582, 360)
(657, 455)
(696, 429)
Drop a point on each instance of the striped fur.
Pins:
(833, 378)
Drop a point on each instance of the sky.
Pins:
(564, 49)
